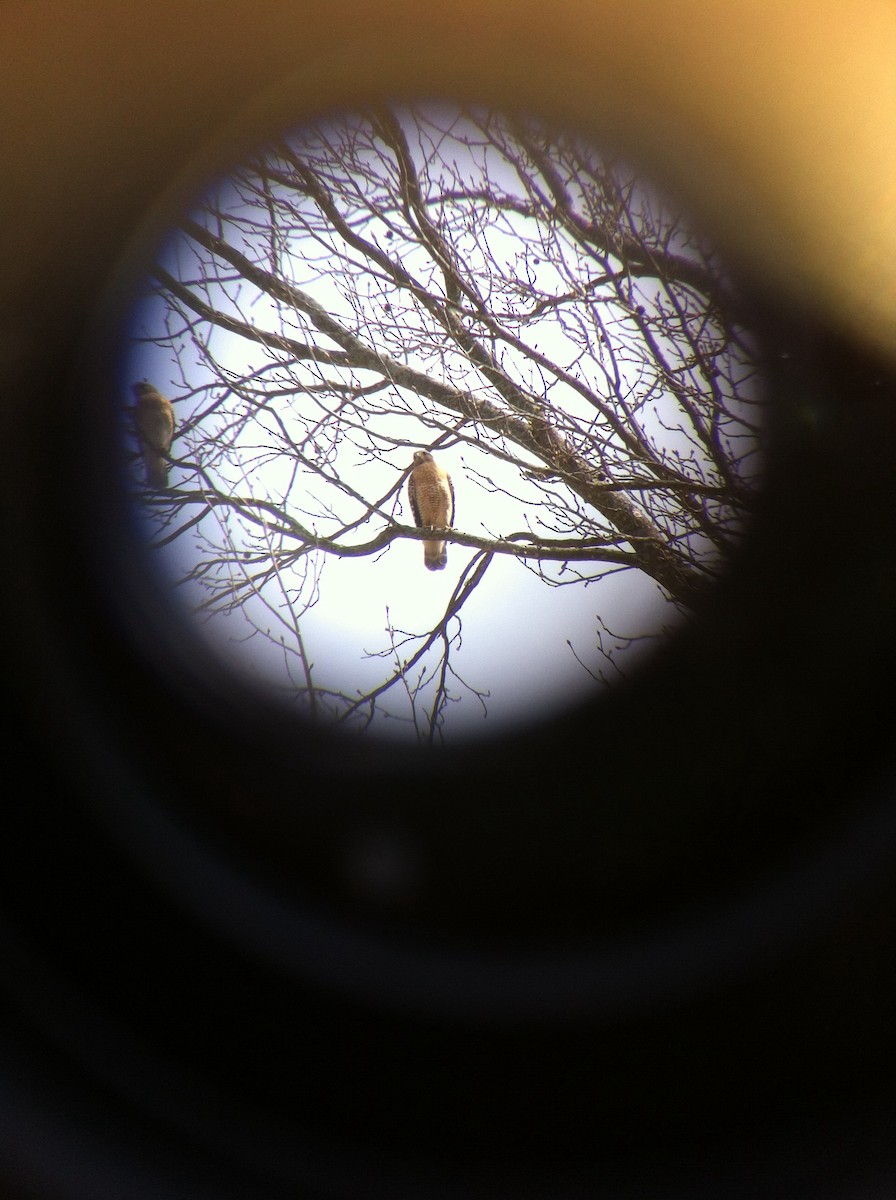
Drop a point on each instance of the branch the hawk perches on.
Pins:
(432, 502)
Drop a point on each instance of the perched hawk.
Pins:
(432, 503)
(154, 419)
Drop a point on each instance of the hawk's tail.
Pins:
(156, 469)
(435, 556)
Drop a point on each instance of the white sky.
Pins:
(515, 628)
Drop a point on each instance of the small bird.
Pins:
(432, 502)
(154, 419)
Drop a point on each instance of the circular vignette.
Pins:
(718, 662)
(791, 705)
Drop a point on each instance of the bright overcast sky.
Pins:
(531, 647)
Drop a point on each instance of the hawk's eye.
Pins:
(450, 318)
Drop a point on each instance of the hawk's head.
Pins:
(421, 456)
(143, 389)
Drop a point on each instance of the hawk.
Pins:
(432, 503)
(154, 419)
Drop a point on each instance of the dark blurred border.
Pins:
(143, 1052)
